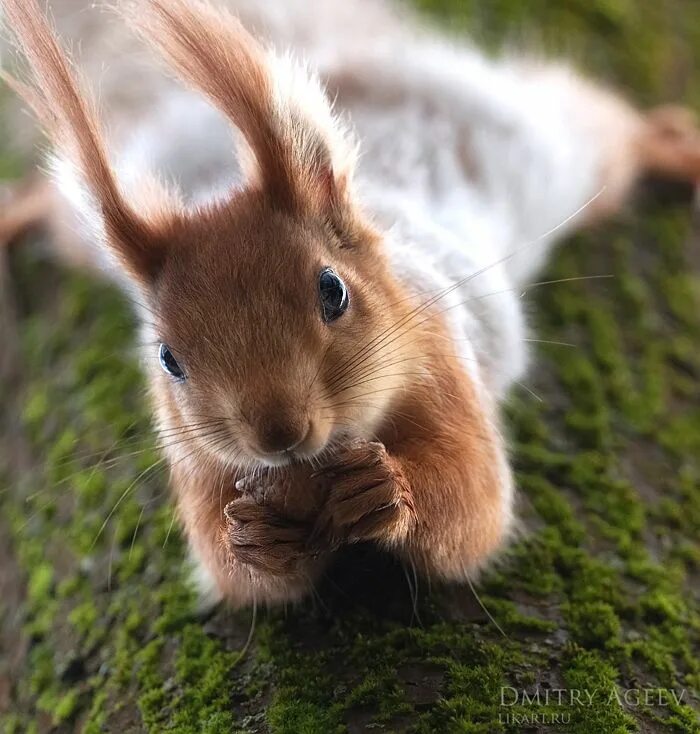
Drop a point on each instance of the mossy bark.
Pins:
(599, 595)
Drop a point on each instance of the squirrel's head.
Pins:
(271, 331)
(273, 322)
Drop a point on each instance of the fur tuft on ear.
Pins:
(304, 156)
(69, 118)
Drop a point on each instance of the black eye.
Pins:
(334, 295)
(169, 363)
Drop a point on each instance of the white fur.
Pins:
(69, 180)
(301, 107)
(469, 164)
(205, 586)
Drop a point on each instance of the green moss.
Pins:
(66, 707)
(84, 617)
(153, 700)
(97, 715)
(302, 717)
(204, 674)
(40, 583)
(587, 671)
(594, 624)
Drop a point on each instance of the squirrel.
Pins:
(329, 292)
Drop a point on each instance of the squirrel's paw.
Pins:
(257, 536)
(671, 142)
(368, 497)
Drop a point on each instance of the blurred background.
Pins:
(99, 630)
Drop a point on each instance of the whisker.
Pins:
(481, 604)
(549, 341)
(121, 442)
(422, 307)
(471, 299)
(123, 496)
(170, 528)
(107, 464)
(136, 530)
(372, 379)
(251, 632)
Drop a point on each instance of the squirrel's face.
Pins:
(276, 323)
(272, 336)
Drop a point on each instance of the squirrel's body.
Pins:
(468, 170)
(464, 160)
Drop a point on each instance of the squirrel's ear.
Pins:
(69, 118)
(303, 156)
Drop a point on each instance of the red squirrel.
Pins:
(314, 342)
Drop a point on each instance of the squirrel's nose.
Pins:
(277, 433)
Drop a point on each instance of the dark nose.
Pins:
(278, 433)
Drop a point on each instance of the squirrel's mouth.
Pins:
(282, 458)
(306, 443)
(312, 450)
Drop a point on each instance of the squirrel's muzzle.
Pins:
(278, 431)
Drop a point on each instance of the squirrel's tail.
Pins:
(24, 207)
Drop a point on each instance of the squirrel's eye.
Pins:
(334, 295)
(169, 363)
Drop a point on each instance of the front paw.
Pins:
(368, 497)
(258, 537)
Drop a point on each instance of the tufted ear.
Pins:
(69, 118)
(302, 155)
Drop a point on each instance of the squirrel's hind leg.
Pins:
(25, 207)
(670, 143)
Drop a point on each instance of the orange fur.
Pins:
(401, 447)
